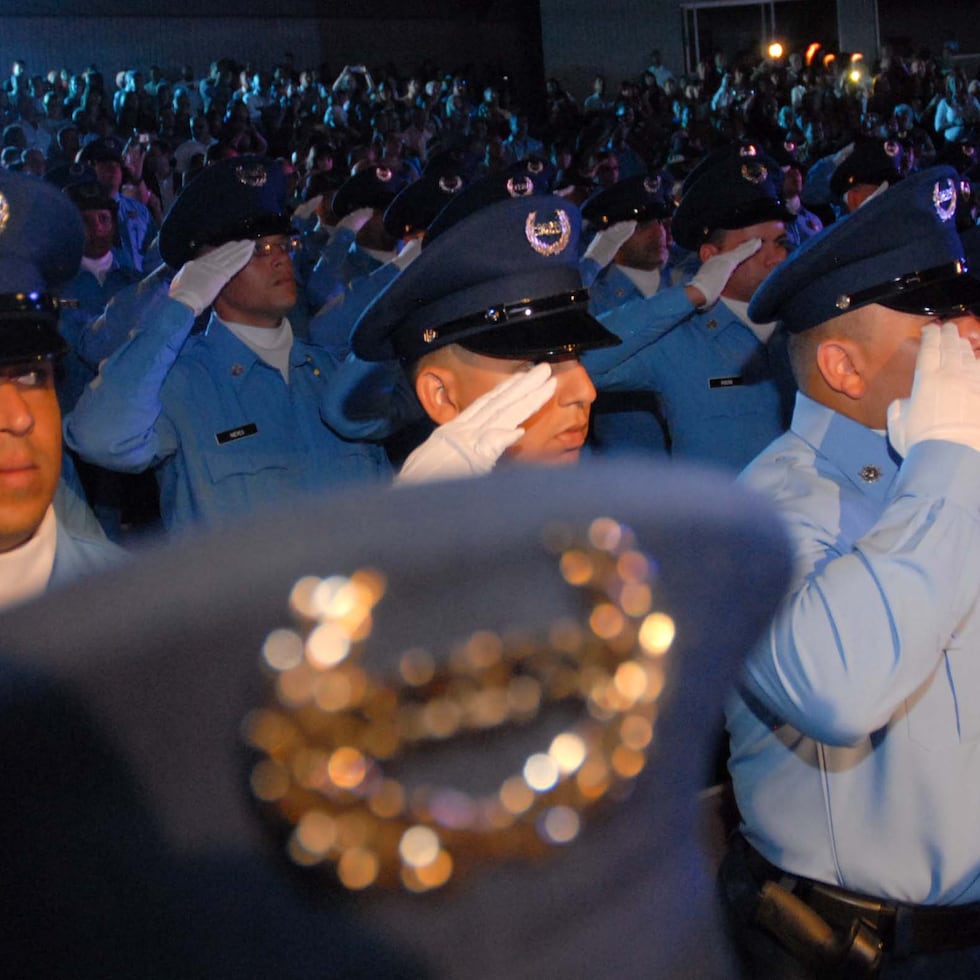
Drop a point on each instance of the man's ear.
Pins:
(707, 250)
(436, 389)
(839, 363)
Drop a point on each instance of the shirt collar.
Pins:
(861, 454)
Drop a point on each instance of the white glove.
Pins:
(945, 400)
(356, 220)
(471, 443)
(603, 248)
(306, 208)
(711, 279)
(200, 280)
(408, 254)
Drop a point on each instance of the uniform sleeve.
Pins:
(639, 324)
(369, 401)
(324, 278)
(865, 626)
(118, 421)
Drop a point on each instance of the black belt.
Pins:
(906, 930)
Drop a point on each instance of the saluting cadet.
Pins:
(229, 419)
(854, 736)
(628, 258)
(490, 296)
(720, 389)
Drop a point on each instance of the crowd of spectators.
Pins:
(316, 121)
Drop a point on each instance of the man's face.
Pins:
(889, 344)
(30, 449)
(647, 247)
(555, 433)
(747, 278)
(792, 182)
(100, 231)
(264, 291)
(109, 174)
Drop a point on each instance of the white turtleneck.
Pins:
(25, 571)
(98, 267)
(647, 281)
(269, 344)
(762, 330)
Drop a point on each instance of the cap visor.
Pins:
(27, 340)
(951, 297)
(563, 332)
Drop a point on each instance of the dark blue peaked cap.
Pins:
(503, 282)
(373, 187)
(640, 198)
(416, 205)
(241, 197)
(739, 190)
(901, 250)
(41, 238)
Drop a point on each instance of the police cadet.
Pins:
(360, 243)
(40, 247)
(695, 346)
(230, 418)
(628, 258)
(491, 295)
(404, 221)
(137, 228)
(854, 737)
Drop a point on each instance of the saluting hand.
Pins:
(945, 399)
(471, 443)
(710, 280)
(200, 280)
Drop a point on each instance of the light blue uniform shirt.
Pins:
(223, 430)
(858, 762)
(713, 378)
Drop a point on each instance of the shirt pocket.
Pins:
(242, 460)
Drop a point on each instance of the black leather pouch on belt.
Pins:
(849, 953)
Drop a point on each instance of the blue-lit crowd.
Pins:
(274, 282)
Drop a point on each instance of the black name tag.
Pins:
(725, 382)
(242, 432)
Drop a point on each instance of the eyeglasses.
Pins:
(264, 250)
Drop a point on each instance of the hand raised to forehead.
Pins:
(471, 443)
(945, 399)
(200, 280)
(710, 280)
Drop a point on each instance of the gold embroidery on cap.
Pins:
(754, 173)
(252, 174)
(4, 212)
(335, 736)
(520, 187)
(944, 199)
(449, 185)
(549, 237)
(429, 335)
